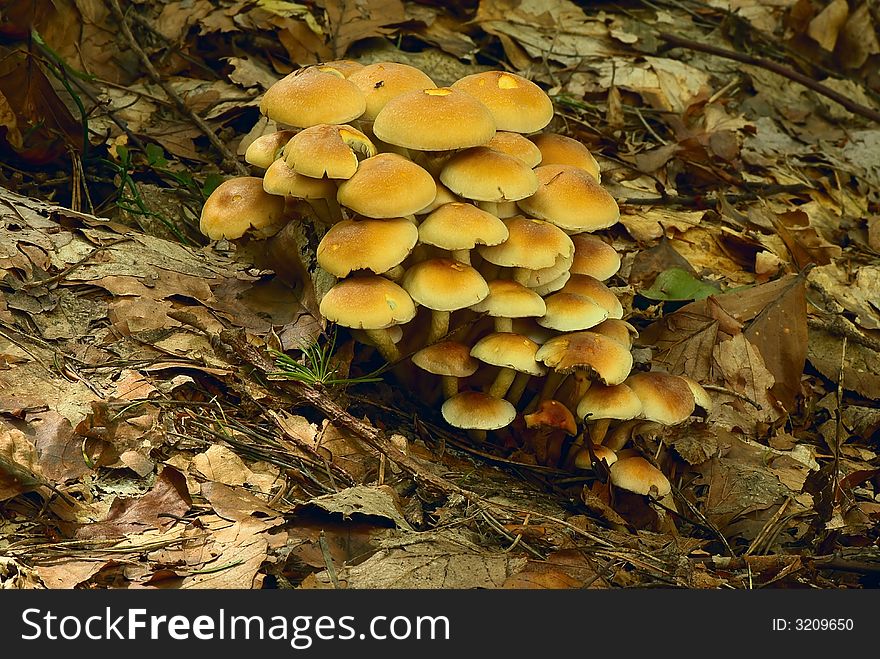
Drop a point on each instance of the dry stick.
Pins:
(229, 159)
(806, 81)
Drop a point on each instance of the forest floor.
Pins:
(147, 441)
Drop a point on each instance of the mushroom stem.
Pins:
(502, 382)
(520, 276)
(620, 435)
(503, 324)
(450, 386)
(439, 326)
(598, 429)
(500, 209)
(517, 388)
(462, 255)
(322, 211)
(477, 435)
(551, 384)
(386, 347)
(334, 210)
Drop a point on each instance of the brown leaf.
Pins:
(779, 333)
(743, 370)
(236, 504)
(157, 509)
(19, 466)
(38, 125)
(803, 242)
(353, 21)
(683, 343)
(861, 367)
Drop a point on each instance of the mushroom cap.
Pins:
(551, 414)
(369, 302)
(666, 398)
(239, 205)
(514, 144)
(531, 244)
(614, 402)
(327, 150)
(604, 357)
(437, 119)
(458, 225)
(619, 330)
(508, 299)
(527, 326)
(701, 396)
(366, 244)
(280, 179)
(571, 199)
(561, 150)
(444, 196)
(345, 66)
(594, 257)
(266, 149)
(542, 276)
(509, 350)
(475, 410)
(382, 81)
(553, 285)
(592, 288)
(445, 284)
(300, 98)
(517, 104)
(636, 474)
(446, 358)
(568, 312)
(483, 174)
(387, 185)
(582, 457)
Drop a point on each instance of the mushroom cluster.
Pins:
(461, 233)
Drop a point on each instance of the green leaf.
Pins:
(156, 155)
(675, 285)
(211, 182)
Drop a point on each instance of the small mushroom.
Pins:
(449, 359)
(561, 150)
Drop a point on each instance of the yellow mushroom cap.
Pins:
(240, 205)
(666, 398)
(531, 244)
(509, 350)
(517, 104)
(434, 120)
(382, 81)
(449, 358)
(483, 174)
(458, 225)
(588, 351)
(594, 257)
(475, 410)
(571, 199)
(328, 150)
(561, 150)
(387, 185)
(366, 244)
(369, 302)
(636, 474)
(445, 284)
(300, 98)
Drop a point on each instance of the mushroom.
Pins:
(478, 412)
(436, 119)
(370, 303)
(514, 354)
(593, 289)
(459, 227)
(571, 199)
(619, 330)
(444, 285)
(328, 150)
(584, 456)
(280, 179)
(266, 149)
(489, 177)
(560, 150)
(594, 354)
(531, 244)
(667, 400)
(382, 81)
(514, 144)
(517, 104)
(594, 257)
(240, 206)
(568, 312)
(366, 244)
(602, 403)
(550, 424)
(636, 474)
(508, 300)
(449, 359)
(387, 185)
(300, 98)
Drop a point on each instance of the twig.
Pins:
(839, 326)
(229, 159)
(735, 394)
(709, 201)
(778, 69)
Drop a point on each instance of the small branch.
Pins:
(710, 200)
(228, 157)
(778, 69)
(840, 326)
